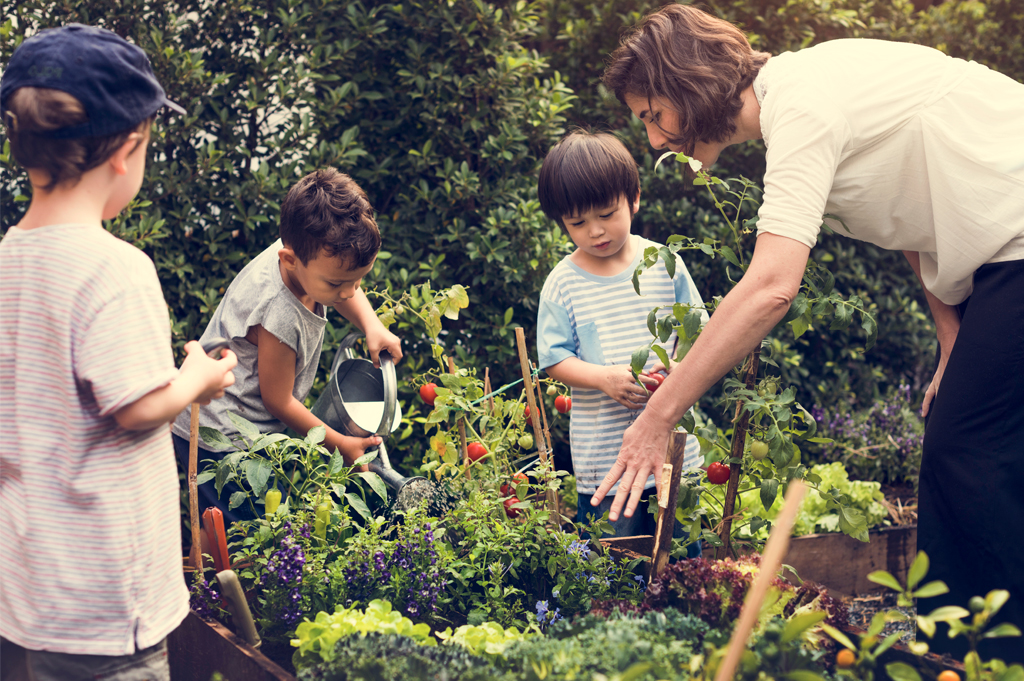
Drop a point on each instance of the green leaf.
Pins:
(918, 569)
(358, 505)
(237, 499)
(662, 355)
(692, 322)
(636, 281)
(800, 325)
(375, 483)
(652, 322)
(769, 492)
(639, 360)
(900, 671)
(670, 261)
(663, 157)
(1003, 630)
(336, 463)
(205, 477)
(245, 428)
(948, 613)
(214, 438)
(802, 675)
(996, 599)
(932, 589)
(885, 579)
(926, 625)
(730, 255)
(839, 636)
(800, 623)
(316, 435)
(257, 473)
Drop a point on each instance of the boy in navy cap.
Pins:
(91, 565)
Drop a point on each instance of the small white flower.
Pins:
(695, 165)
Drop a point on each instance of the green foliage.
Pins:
(378, 656)
(316, 640)
(652, 646)
(488, 640)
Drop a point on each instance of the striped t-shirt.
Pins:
(89, 511)
(601, 320)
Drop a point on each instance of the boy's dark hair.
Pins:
(327, 211)
(586, 170)
(699, 64)
(30, 112)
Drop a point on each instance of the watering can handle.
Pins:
(345, 351)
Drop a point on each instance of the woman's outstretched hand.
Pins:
(642, 453)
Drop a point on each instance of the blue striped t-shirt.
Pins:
(601, 320)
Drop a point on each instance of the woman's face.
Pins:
(658, 116)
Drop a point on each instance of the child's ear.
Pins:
(119, 159)
(636, 202)
(288, 258)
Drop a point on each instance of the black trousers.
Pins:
(971, 502)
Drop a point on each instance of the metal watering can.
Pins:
(362, 400)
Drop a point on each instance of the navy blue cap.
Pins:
(112, 78)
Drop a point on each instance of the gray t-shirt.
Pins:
(258, 296)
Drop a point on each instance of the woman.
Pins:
(914, 151)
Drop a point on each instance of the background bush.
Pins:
(442, 111)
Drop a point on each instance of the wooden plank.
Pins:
(670, 473)
(197, 649)
(841, 563)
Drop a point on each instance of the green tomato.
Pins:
(758, 450)
(526, 441)
(976, 604)
(771, 387)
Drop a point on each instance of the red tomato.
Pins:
(659, 377)
(563, 404)
(718, 473)
(526, 413)
(428, 393)
(509, 511)
(476, 451)
(506, 490)
(519, 477)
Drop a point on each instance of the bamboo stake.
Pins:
(670, 472)
(543, 414)
(771, 561)
(488, 390)
(193, 491)
(462, 427)
(531, 401)
(739, 437)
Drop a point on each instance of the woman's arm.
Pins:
(947, 326)
(744, 317)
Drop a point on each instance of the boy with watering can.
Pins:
(275, 312)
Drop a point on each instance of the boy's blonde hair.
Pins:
(30, 111)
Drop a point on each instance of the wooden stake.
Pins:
(670, 473)
(462, 427)
(543, 414)
(771, 561)
(531, 401)
(739, 438)
(193, 490)
(488, 390)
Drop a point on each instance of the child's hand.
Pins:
(211, 376)
(382, 339)
(351, 448)
(618, 383)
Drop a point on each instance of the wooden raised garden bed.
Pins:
(197, 649)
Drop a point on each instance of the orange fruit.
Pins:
(845, 658)
(948, 675)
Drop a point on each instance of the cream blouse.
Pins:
(906, 147)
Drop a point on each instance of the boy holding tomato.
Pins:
(590, 319)
(275, 312)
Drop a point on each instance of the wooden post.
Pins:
(531, 401)
(488, 390)
(771, 561)
(670, 473)
(739, 437)
(193, 491)
(462, 427)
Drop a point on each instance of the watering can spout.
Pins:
(392, 478)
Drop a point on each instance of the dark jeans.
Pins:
(970, 508)
(208, 491)
(642, 522)
(20, 664)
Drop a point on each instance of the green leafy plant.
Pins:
(488, 640)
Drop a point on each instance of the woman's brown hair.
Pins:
(698, 63)
(32, 112)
